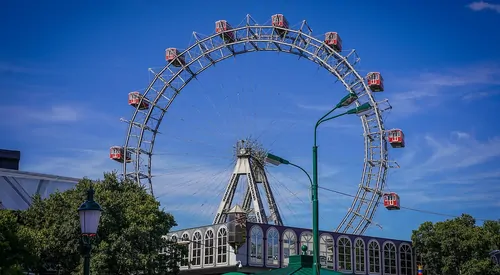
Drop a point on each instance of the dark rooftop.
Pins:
(9, 159)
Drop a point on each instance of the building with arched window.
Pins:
(269, 246)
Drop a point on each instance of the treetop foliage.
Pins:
(129, 238)
(457, 246)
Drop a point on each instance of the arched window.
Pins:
(289, 245)
(273, 246)
(209, 247)
(173, 239)
(185, 259)
(222, 245)
(326, 251)
(405, 260)
(344, 254)
(196, 253)
(256, 245)
(164, 250)
(390, 267)
(359, 256)
(306, 238)
(374, 257)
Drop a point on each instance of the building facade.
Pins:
(269, 246)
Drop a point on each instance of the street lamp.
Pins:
(344, 102)
(90, 214)
(270, 158)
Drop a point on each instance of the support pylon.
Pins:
(247, 164)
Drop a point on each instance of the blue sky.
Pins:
(66, 70)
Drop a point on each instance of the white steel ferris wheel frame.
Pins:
(206, 51)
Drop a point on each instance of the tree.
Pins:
(14, 246)
(457, 246)
(128, 240)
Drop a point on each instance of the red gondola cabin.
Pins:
(396, 138)
(375, 82)
(173, 55)
(391, 201)
(224, 29)
(117, 153)
(134, 99)
(333, 40)
(280, 23)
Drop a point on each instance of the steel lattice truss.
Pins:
(250, 163)
(167, 83)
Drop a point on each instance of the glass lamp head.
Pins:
(90, 214)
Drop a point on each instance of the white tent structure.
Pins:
(18, 187)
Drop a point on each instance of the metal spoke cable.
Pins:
(381, 203)
(218, 190)
(290, 191)
(281, 199)
(403, 207)
(188, 183)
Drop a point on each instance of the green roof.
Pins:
(234, 273)
(298, 265)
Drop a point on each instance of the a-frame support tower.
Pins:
(249, 165)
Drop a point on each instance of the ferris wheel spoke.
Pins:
(208, 179)
(216, 179)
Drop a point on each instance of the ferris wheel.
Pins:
(183, 66)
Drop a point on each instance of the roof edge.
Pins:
(39, 176)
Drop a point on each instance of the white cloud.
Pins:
(9, 68)
(460, 135)
(481, 5)
(39, 117)
(477, 95)
(463, 152)
(60, 114)
(54, 114)
(455, 172)
(322, 108)
(435, 87)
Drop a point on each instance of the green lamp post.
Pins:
(344, 102)
(90, 215)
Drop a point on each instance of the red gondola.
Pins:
(375, 82)
(396, 138)
(391, 201)
(173, 55)
(117, 153)
(280, 23)
(224, 29)
(333, 40)
(134, 99)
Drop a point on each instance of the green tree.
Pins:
(128, 240)
(14, 246)
(457, 246)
